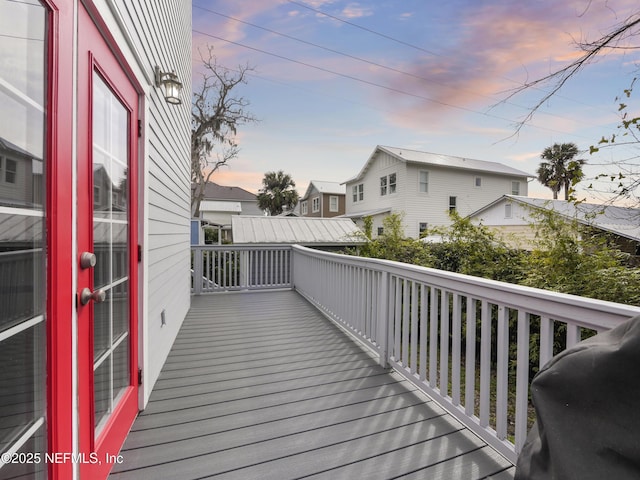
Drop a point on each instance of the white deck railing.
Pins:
(222, 268)
(465, 341)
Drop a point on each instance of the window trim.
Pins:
(337, 206)
(8, 171)
(387, 186)
(453, 204)
(515, 191)
(304, 207)
(383, 185)
(420, 182)
(357, 192)
(477, 182)
(315, 204)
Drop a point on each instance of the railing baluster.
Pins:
(444, 343)
(522, 380)
(382, 328)
(434, 325)
(573, 335)
(470, 360)
(424, 330)
(456, 346)
(415, 305)
(502, 370)
(485, 363)
(546, 340)
(406, 306)
(398, 320)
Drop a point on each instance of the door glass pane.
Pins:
(111, 247)
(23, 88)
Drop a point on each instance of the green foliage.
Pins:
(572, 258)
(392, 244)
(568, 257)
(278, 193)
(560, 169)
(474, 250)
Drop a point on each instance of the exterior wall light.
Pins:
(171, 86)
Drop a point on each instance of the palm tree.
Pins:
(560, 170)
(277, 193)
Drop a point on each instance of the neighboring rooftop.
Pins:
(334, 188)
(213, 191)
(621, 221)
(299, 230)
(426, 158)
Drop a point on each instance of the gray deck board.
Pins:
(261, 385)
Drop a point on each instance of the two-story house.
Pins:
(323, 199)
(426, 187)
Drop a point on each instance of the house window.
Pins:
(452, 204)
(507, 210)
(392, 183)
(10, 171)
(424, 181)
(380, 231)
(315, 204)
(96, 195)
(304, 208)
(358, 193)
(333, 203)
(422, 228)
(515, 188)
(388, 184)
(478, 182)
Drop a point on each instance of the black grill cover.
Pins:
(587, 402)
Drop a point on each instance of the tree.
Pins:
(278, 193)
(560, 170)
(622, 37)
(216, 113)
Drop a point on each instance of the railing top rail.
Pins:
(592, 313)
(243, 247)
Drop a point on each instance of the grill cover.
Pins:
(587, 402)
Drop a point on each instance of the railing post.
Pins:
(382, 320)
(291, 277)
(244, 270)
(197, 271)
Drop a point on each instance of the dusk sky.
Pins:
(335, 78)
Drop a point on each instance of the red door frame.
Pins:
(60, 248)
(59, 215)
(98, 54)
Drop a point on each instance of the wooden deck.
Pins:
(261, 385)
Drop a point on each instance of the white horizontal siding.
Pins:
(432, 207)
(161, 31)
(382, 165)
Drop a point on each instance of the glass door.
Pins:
(107, 249)
(23, 89)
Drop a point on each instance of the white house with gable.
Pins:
(425, 187)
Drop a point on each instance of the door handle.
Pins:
(86, 295)
(87, 260)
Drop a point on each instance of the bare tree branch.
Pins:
(216, 114)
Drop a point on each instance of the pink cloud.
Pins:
(355, 10)
(500, 44)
